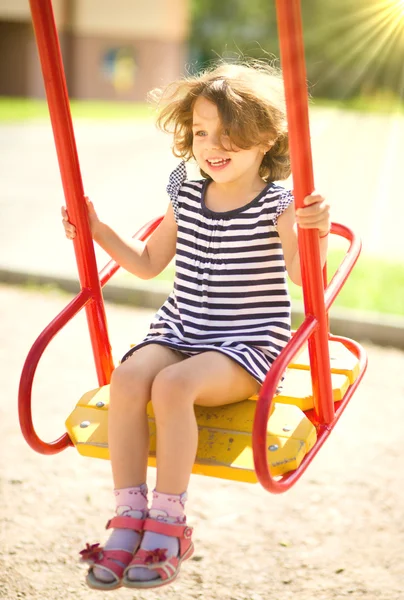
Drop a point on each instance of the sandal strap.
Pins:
(96, 555)
(165, 569)
(108, 561)
(125, 523)
(156, 560)
(120, 555)
(169, 529)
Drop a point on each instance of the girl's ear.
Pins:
(266, 147)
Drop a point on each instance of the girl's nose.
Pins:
(214, 142)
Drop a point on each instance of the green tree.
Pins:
(352, 47)
(236, 27)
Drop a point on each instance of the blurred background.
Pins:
(119, 49)
(115, 51)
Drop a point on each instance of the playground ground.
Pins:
(339, 533)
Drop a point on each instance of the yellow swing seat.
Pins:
(225, 432)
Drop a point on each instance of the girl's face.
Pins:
(223, 166)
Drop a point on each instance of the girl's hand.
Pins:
(70, 229)
(315, 214)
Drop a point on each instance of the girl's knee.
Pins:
(171, 388)
(128, 383)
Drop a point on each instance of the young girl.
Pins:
(212, 342)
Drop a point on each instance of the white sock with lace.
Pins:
(130, 502)
(168, 508)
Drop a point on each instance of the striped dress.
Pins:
(230, 293)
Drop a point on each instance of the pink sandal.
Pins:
(156, 560)
(96, 556)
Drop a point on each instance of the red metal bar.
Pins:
(34, 355)
(346, 266)
(59, 108)
(265, 400)
(28, 372)
(294, 73)
(268, 390)
(278, 486)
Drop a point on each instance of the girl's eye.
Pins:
(200, 133)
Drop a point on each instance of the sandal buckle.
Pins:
(187, 533)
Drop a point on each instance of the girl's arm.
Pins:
(143, 259)
(315, 215)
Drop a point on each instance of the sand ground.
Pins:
(337, 534)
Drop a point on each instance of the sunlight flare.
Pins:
(362, 48)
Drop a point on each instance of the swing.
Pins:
(271, 438)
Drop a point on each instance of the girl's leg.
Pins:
(208, 379)
(128, 439)
(128, 430)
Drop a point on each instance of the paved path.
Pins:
(338, 534)
(125, 165)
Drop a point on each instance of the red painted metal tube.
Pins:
(264, 403)
(294, 74)
(28, 372)
(346, 266)
(59, 108)
(281, 485)
(29, 369)
(268, 390)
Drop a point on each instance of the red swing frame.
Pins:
(318, 296)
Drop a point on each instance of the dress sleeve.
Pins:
(175, 181)
(285, 200)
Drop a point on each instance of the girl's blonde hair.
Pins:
(251, 105)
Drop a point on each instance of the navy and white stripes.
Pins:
(230, 291)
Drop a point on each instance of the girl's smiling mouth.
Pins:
(218, 163)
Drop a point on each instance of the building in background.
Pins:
(112, 49)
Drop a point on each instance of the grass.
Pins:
(382, 102)
(27, 109)
(375, 285)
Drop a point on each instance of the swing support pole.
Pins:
(317, 300)
(90, 295)
(59, 109)
(294, 75)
